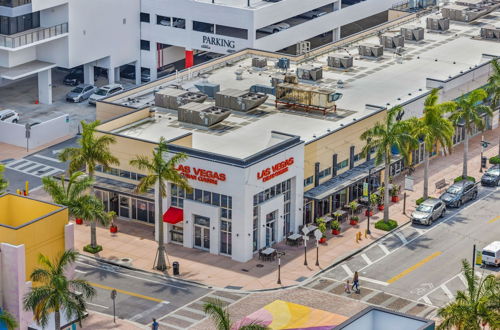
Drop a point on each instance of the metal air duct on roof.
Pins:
(340, 61)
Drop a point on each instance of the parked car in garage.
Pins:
(104, 92)
(459, 193)
(313, 13)
(430, 210)
(75, 75)
(491, 177)
(9, 116)
(274, 28)
(80, 93)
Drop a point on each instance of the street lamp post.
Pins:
(305, 231)
(368, 232)
(317, 234)
(280, 254)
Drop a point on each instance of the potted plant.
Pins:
(395, 193)
(113, 228)
(373, 201)
(380, 198)
(78, 221)
(354, 220)
(353, 206)
(322, 228)
(335, 224)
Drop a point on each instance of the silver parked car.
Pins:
(80, 93)
(274, 28)
(430, 210)
(104, 92)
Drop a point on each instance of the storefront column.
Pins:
(45, 86)
(189, 58)
(88, 74)
(137, 72)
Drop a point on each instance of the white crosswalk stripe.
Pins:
(32, 168)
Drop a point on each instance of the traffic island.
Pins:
(386, 225)
(92, 249)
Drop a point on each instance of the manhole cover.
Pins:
(244, 270)
(126, 260)
(260, 265)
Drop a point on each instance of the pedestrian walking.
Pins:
(355, 282)
(155, 325)
(347, 287)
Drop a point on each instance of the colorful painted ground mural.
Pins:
(286, 315)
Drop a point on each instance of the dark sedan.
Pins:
(491, 177)
(459, 193)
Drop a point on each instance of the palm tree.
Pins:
(219, 314)
(433, 128)
(73, 194)
(54, 293)
(8, 320)
(3, 182)
(159, 171)
(93, 151)
(384, 136)
(469, 113)
(475, 307)
(493, 87)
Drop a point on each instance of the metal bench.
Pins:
(441, 184)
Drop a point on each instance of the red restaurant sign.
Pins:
(275, 170)
(199, 174)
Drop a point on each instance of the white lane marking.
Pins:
(446, 291)
(31, 166)
(228, 300)
(80, 271)
(149, 311)
(10, 165)
(367, 279)
(462, 278)
(420, 231)
(426, 300)
(366, 259)
(52, 172)
(184, 318)
(384, 248)
(47, 158)
(401, 237)
(97, 305)
(172, 326)
(347, 270)
(132, 276)
(195, 311)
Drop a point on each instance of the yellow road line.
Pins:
(494, 219)
(415, 266)
(138, 295)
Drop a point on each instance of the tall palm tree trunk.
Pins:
(161, 264)
(93, 225)
(57, 320)
(466, 153)
(426, 172)
(386, 189)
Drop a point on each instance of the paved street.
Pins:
(417, 266)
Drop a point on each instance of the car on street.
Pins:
(491, 254)
(491, 177)
(105, 91)
(429, 210)
(9, 116)
(459, 193)
(313, 13)
(80, 93)
(274, 28)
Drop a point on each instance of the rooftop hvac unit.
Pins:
(438, 24)
(202, 114)
(340, 61)
(259, 62)
(392, 41)
(239, 100)
(171, 98)
(490, 32)
(371, 50)
(208, 88)
(309, 72)
(414, 33)
(283, 63)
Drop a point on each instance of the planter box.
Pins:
(371, 213)
(336, 232)
(353, 222)
(381, 207)
(322, 240)
(113, 229)
(395, 199)
(78, 221)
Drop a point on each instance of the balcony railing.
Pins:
(14, 3)
(34, 36)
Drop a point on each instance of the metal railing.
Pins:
(14, 3)
(34, 36)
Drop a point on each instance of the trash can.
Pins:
(175, 266)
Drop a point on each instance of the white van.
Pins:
(491, 254)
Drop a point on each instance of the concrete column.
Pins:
(111, 75)
(137, 72)
(336, 34)
(117, 74)
(88, 74)
(45, 87)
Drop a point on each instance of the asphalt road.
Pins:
(142, 296)
(423, 264)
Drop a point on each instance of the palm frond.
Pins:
(218, 313)
(8, 319)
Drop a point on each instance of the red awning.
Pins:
(173, 215)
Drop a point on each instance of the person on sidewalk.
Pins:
(347, 287)
(355, 282)
(155, 325)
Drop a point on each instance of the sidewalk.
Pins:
(98, 321)
(8, 151)
(135, 240)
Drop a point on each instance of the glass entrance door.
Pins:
(201, 232)
(270, 228)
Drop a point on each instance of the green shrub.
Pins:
(420, 200)
(460, 178)
(387, 226)
(90, 249)
(495, 160)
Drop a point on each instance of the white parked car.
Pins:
(105, 91)
(491, 254)
(9, 116)
(313, 13)
(274, 28)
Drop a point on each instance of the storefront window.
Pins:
(225, 239)
(177, 234)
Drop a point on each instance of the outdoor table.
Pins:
(294, 238)
(312, 228)
(268, 253)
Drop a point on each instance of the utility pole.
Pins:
(473, 257)
(113, 297)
